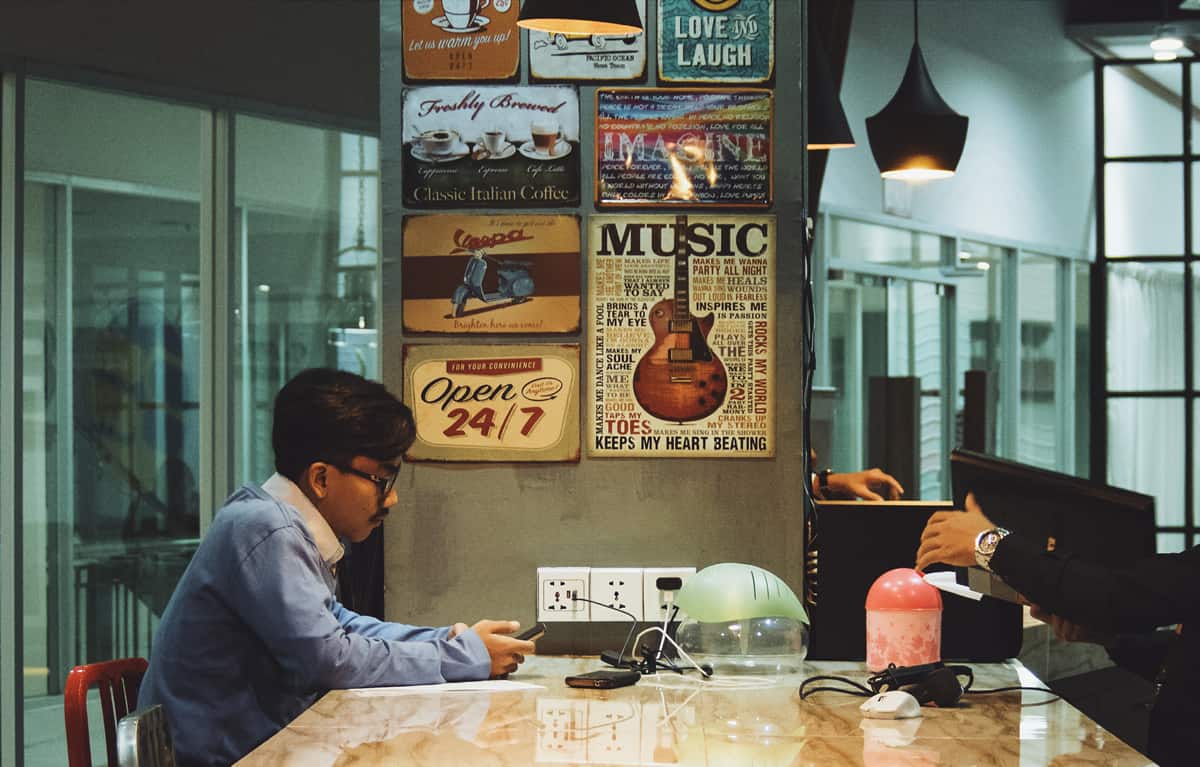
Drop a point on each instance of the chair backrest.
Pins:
(118, 681)
(144, 739)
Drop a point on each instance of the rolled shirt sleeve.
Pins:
(322, 644)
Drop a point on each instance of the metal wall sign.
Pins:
(689, 147)
(493, 402)
(562, 56)
(491, 273)
(490, 147)
(681, 344)
(460, 39)
(716, 41)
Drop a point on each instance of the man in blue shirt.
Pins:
(253, 633)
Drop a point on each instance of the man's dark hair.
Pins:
(331, 415)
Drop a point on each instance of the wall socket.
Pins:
(654, 601)
(619, 587)
(632, 589)
(555, 586)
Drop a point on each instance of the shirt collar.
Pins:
(286, 491)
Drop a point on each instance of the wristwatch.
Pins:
(985, 546)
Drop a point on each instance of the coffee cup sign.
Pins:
(545, 135)
(468, 40)
(493, 141)
(438, 141)
(462, 14)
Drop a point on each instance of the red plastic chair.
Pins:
(118, 681)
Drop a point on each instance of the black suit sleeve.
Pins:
(1148, 593)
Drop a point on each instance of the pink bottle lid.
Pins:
(903, 589)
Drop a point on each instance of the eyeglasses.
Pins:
(383, 484)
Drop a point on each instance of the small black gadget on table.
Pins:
(605, 679)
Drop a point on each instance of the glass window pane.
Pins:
(111, 381)
(1083, 369)
(1171, 543)
(1037, 430)
(1145, 342)
(979, 310)
(1143, 209)
(306, 289)
(1145, 452)
(926, 341)
(1141, 109)
(878, 244)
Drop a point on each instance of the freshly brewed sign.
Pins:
(490, 147)
(716, 41)
(460, 39)
(681, 336)
(494, 273)
(562, 56)
(493, 403)
(683, 146)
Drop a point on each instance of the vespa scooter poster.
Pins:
(594, 57)
(490, 147)
(460, 39)
(491, 273)
(493, 402)
(682, 336)
(716, 41)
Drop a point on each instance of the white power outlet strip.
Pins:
(653, 600)
(619, 587)
(555, 587)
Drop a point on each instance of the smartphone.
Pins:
(606, 679)
(533, 633)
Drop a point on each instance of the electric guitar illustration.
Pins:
(679, 378)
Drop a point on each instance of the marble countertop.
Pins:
(673, 720)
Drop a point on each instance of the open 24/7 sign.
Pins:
(493, 403)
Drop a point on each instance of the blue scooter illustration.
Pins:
(516, 281)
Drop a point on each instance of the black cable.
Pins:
(1013, 688)
(861, 690)
(632, 617)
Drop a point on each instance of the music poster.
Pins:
(460, 39)
(491, 273)
(681, 336)
(493, 402)
(716, 41)
(662, 147)
(490, 147)
(562, 56)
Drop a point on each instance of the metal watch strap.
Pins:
(985, 546)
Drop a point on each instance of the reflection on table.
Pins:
(673, 720)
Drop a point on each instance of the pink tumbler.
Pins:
(904, 620)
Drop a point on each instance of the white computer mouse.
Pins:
(893, 704)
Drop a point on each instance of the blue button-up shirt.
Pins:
(253, 635)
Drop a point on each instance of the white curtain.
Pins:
(1145, 352)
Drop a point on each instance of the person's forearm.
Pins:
(1149, 593)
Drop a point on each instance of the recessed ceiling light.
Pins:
(1166, 39)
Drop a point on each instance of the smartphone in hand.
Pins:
(533, 633)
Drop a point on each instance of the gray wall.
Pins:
(466, 540)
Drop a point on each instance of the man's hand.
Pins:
(1066, 630)
(870, 485)
(949, 536)
(457, 629)
(507, 652)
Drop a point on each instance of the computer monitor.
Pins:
(1091, 520)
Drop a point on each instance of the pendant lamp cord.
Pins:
(916, 37)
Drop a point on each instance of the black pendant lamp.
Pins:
(917, 136)
(828, 127)
(581, 17)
